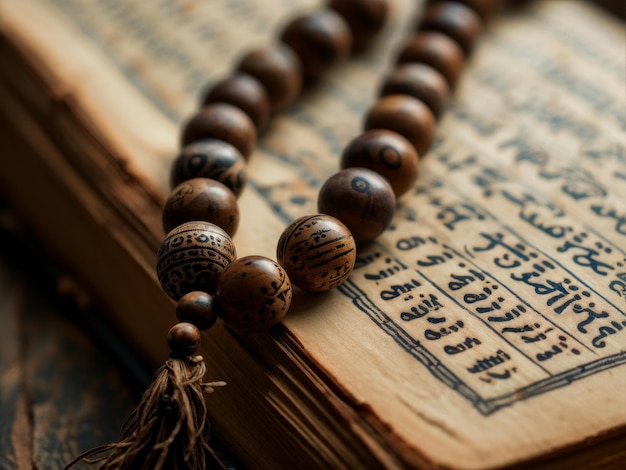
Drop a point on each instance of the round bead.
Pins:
(222, 121)
(483, 8)
(360, 198)
(254, 294)
(438, 51)
(213, 159)
(201, 199)
(197, 307)
(419, 81)
(244, 92)
(192, 256)
(454, 19)
(388, 154)
(279, 71)
(317, 251)
(321, 39)
(364, 17)
(405, 115)
(183, 339)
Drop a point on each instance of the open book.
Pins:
(486, 328)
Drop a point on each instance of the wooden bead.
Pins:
(419, 81)
(360, 198)
(192, 256)
(388, 154)
(438, 51)
(244, 92)
(211, 159)
(364, 17)
(183, 339)
(201, 199)
(197, 308)
(485, 9)
(321, 39)
(279, 71)
(405, 115)
(254, 294)
(317, 251)
(222, 121)
(454, 19)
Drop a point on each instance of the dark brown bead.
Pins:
(360, 198)
(201, 199)
(197, 307)
(419, 81)
(321, 39)
(254, 294)
(317, 251)
(454, 19)
(191, 257)
(364, 17)
(246, 93)
(279, 71)
(438, 51)
(388, 154)
(213, 159)
(483, 8)
(183, 339)
(407, 116)
(222, 121)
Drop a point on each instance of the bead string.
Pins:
(316, 252)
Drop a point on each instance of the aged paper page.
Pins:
(490, 320)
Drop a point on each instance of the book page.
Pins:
(488, 324)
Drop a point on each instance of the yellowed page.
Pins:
(488, 325)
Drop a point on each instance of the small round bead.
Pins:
(279, 71)
(321, 39)
(360, 198)
(197, 307)
(244, 92)
(254, 294)
(454, 19)
(388, 154)
(483, 8)
(419, 81)
(317, 251)
(201, 199)
(364, 17)
(183, 339)
(222, 121)
(192, 256)
(213, 159)
(438, 51)
(405, 115)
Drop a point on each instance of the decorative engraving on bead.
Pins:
(254, 293)
(192, 256)
(317, 251)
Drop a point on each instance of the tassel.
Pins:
(169, 428)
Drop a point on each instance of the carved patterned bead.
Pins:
(201, 199)
(183, 339)
(420, 81)
(222, 121)
(360, 198)
(246, 93)
(437, 50)
(192, 256)
(317, 251)
(213, 159)
(321, 39)
(254, 294)
(388, 154)
(407, 116)
(279, 70)
(456, 20)
(197, 307)
(364, 17)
